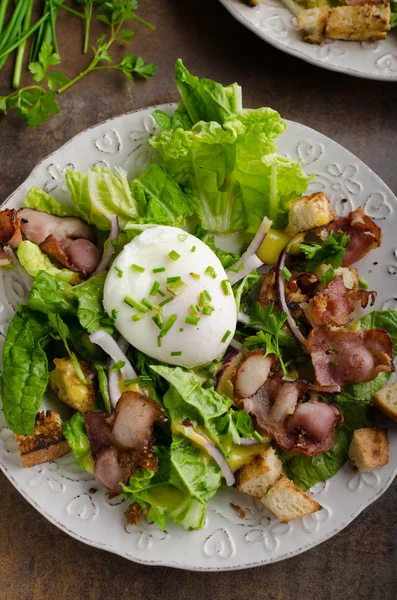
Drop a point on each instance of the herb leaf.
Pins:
(331, 251)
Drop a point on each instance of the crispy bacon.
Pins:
(335, 305)
(77, 255)
(297, 290)
(363, 232)
(308, 427)
(121, 443)
(341, 357)
(37, 226)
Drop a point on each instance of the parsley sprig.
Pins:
(331, 251)
(271, 323)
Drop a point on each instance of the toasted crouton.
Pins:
(288, 502)
(312, 23)
(362, 22)
(350, 276)
(68, 386)
(308, 212)
(47, 442)
(369, 449)
(259, 474)
(386, 401)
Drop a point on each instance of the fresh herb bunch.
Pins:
(331, 251)
(36, 103)
(271, 323)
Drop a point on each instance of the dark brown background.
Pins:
(37, 561)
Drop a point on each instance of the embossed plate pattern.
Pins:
(73, 501)
(275, 24)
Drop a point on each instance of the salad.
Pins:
(185, 366)
(352, 20)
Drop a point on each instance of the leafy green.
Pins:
(100, 194)
(328, 276)
(241, 288)
(34, 260)
(271, 323)
(159, 198)
(75, 433)
(90, 311)
(103, 387)
(51, 295)
(59, 330)
(381, 319)
(331, 251)
(39, 200)
(25, 369)
(227, 258)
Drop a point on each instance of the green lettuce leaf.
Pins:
(160, 199)
(381, 319)
(34, 260)
(103, 387)
(90, 311)
(40, 200)
(50, 294)
(100, 194)
(60, 331)
(75, 432)
(227, 258)
(25, 369)
(241, 288)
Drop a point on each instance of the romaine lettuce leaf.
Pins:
(75, 433)
(60, 331)
(381, 319)
(227, 258)
(90, 311)
(241, 288)
(34, 260)
(160, 199)
(25, 369)
(103, 388)
(40, 200)
(100, 194)
(50, 294)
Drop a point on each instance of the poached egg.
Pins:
(170, 297)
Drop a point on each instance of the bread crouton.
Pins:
(350, 276)
(386, 401)
(362, 22)
(308, 212)
(312, 23)
(369, 449)
(259, 474)
(69, 388)
(47, 442)
(288, 502)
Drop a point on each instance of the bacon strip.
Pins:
(297, 290)
(342, 357)
(308, 427)
(121, 443)
(335, 305)
(363, 232)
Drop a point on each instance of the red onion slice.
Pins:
(280, 291)
(113, 387)
(108, 253)
(222, 463)
(110, 346)
(250, 264)
(236, 345)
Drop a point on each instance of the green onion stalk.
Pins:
(21, 49)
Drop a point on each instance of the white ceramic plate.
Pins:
(74, 502)
(275, 24)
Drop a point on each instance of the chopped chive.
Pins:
(195, 275)
(160, 293)
(364, 284)
(135, 304)
(210, 271)
(146, 378)
(131, 381)
(117, 366)
(155, 288)
(227, 290)
(237, 269)
(194, 310)
(227, 334)
(176, 288)
(181, 329)
(174, 255)
(192, 320)
(334, 363)
(193, 249)
(158, 341)
(146, 303)
(202, 299)
(158, 320)
(197, 307)
(209, 297)
(137, 268)
(182, 237)
(330, 351)
(137, 317)
(115, 312)
(208, 310)
(158, 270)
(167, 325)
(114, 243)
(286, 273)
(120, 272)
(176, 353)
(172, 279)
(164, 302)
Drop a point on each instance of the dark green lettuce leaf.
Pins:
(49, 294)
(90, 311)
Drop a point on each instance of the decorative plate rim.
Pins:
(168, 562)
(298, 54)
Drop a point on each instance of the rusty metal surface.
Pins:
(39, 562)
